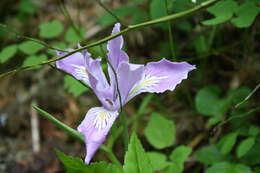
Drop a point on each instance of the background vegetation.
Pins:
(210, 123)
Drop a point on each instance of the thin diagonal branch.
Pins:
(18, 36)
(67, 14)
(128, 29)
(110, 12)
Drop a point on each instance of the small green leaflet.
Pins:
(7, 53)
(245, 146)
(226, 167)
(222, 10)
(30, 47)
(34, 59)
(136, 160)
(76, 165)
(72, 36)
(158, 160)
(178, 157)
(160, 132)
(246, 14)
(51, 29)
(73, 86)
(210, 155)
(227, 142)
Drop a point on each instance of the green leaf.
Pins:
(222, 10)
(178, 157)
(253, 130)
(245, 146)
(72, 36)
(200, 44)
(51, 29)
(73, 86)
(76, 165)
(27, 6)
(30, 47)
(207, 100)
(225, 167)
(209, 155)
(136, 160)
(160, 132)
(238, 95)
(252, 157)
(227, 142)
(157, 10)
(7, 53)
(246, 14)
(108, 19)
(34, 59)
(158, 160)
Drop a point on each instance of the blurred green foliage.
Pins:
(236, 149)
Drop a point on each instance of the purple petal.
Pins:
(75, 65)
(95, 128)
(115, 54)
(128, 76)
(161, 76)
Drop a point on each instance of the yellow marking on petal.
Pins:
(143, 83)
(103, 116)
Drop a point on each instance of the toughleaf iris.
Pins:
(130, 80)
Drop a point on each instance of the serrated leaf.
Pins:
(160, 132)
(225, 167)
(51, 29)
(222, 10)
(246, 14)
(178, 157)
(227, 142)
(30, 47)
(72, 36)
(34, 59)
(136, 160)
(158, 160)
(73, 86)
(76, 165)
(7, 53)
(209, 155)
(245, 146)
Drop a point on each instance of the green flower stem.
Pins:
(75, 133)
(170, 31)
(129, 28)
(125, 129)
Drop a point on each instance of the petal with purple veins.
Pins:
(128, 76)
(115, 53)
(161, 76)
(74, 65)
(95, 128)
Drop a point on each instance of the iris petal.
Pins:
(161, 76)
(95, 128)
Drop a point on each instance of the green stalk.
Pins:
(125, 129)
(170, 31)
(129, 28)
(75, 133)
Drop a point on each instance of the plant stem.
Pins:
(75, 133)
(170, 31)
(125, 129)
(129, 28)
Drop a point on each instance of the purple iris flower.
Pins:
(133, 79)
